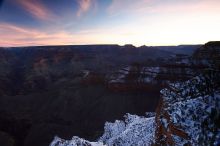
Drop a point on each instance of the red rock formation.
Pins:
(165, 131)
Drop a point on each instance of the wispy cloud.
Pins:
(36, 9)
(84, 6)
(124, 6)
(152, 22)
(12, 35)
(158, 6)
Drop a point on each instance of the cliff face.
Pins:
(188, 113)
(208, 54)
(148, 78)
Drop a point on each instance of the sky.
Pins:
(137, 22)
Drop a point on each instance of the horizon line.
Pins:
(26, 46)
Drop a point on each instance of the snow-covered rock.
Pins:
(195, 118)
(189, 113)
(75, 141)
(135, 130)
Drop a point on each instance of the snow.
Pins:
(86, 73)
(152, 69)
(75, 141)
(179, 141)
(120, 76)
(217, 139)
(147, 74)
(192, 109)
(112, 129)
(150, 114)
(135, 130)
(165, 123)
(125, 70)
(138, 131)
(191, 122)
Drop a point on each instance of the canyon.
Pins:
(73, 90)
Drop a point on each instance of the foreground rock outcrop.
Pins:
(135, 130)
(75, 141)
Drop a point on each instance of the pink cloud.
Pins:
(11, 35)
(36, 9)
(84, 6)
